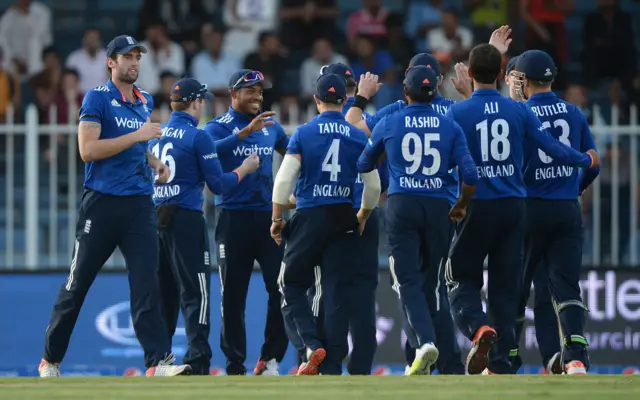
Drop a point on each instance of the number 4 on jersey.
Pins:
(331, 163)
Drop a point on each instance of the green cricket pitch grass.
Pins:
(596, 387)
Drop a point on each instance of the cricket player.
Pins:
(554, 214)
(243, 221)
(421, 147)
(116, 211)
(449, 361)
(496, 129)
(362, 323)
(545, 320)
(185, 263)
(321, 157)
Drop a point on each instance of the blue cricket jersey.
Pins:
(329, 147)
(545, 177)
(255, 190)
(421, 145)
(497, 128)
(440, 105)
(126, 173)
(191, 155)
(382, 167)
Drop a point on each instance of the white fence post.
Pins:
(31, 187)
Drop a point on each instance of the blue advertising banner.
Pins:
(104, 343)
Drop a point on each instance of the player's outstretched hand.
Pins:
(458, 212)
(462, 82)
(148, 131)
(251, 163)
(258, 123)
(162, 172)
(368, 85)
(500, 38)
(594, 157)
(276, 231)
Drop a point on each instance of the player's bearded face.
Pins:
(128, 67)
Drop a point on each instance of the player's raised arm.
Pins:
(554, 148)
(367, 88)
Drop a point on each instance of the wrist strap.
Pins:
(360, 102)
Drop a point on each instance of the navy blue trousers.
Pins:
(493, 229)
(324, 236)
(185, 279)
(104, 223)
(450, 357)
(544, 317)
(554, 243)
(243, 237)
(417, 240)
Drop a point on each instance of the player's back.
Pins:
(495, 128)
(419, 144)
(329, 148)
(545, 177)
(177, 148)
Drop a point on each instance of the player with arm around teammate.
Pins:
(185, 262)
(244, 219)
(421, 146)
(496, 129)
(554, 214)
(322, 158)
(116, 210)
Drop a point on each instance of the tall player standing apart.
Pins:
(116, 211)
(243, 221)
(322, 158)
(421, 146)
(554, 214)
(496, 129)
(185, 263)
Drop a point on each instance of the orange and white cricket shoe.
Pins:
(478, 358)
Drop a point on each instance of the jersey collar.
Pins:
(543, 96)
(419, 105)
(115, 92)
(181, 115)
(485, 92)
(333, 115)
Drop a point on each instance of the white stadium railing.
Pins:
(42, 183)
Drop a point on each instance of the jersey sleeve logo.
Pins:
(101, 89)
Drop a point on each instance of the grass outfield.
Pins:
(327, 388)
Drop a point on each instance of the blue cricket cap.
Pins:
(537, 65)
(331, 88)
(342, 70)
(123, 44)
(512, 64)
(189, 89)
(426, 60)
(247, 78)
(421, 81)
